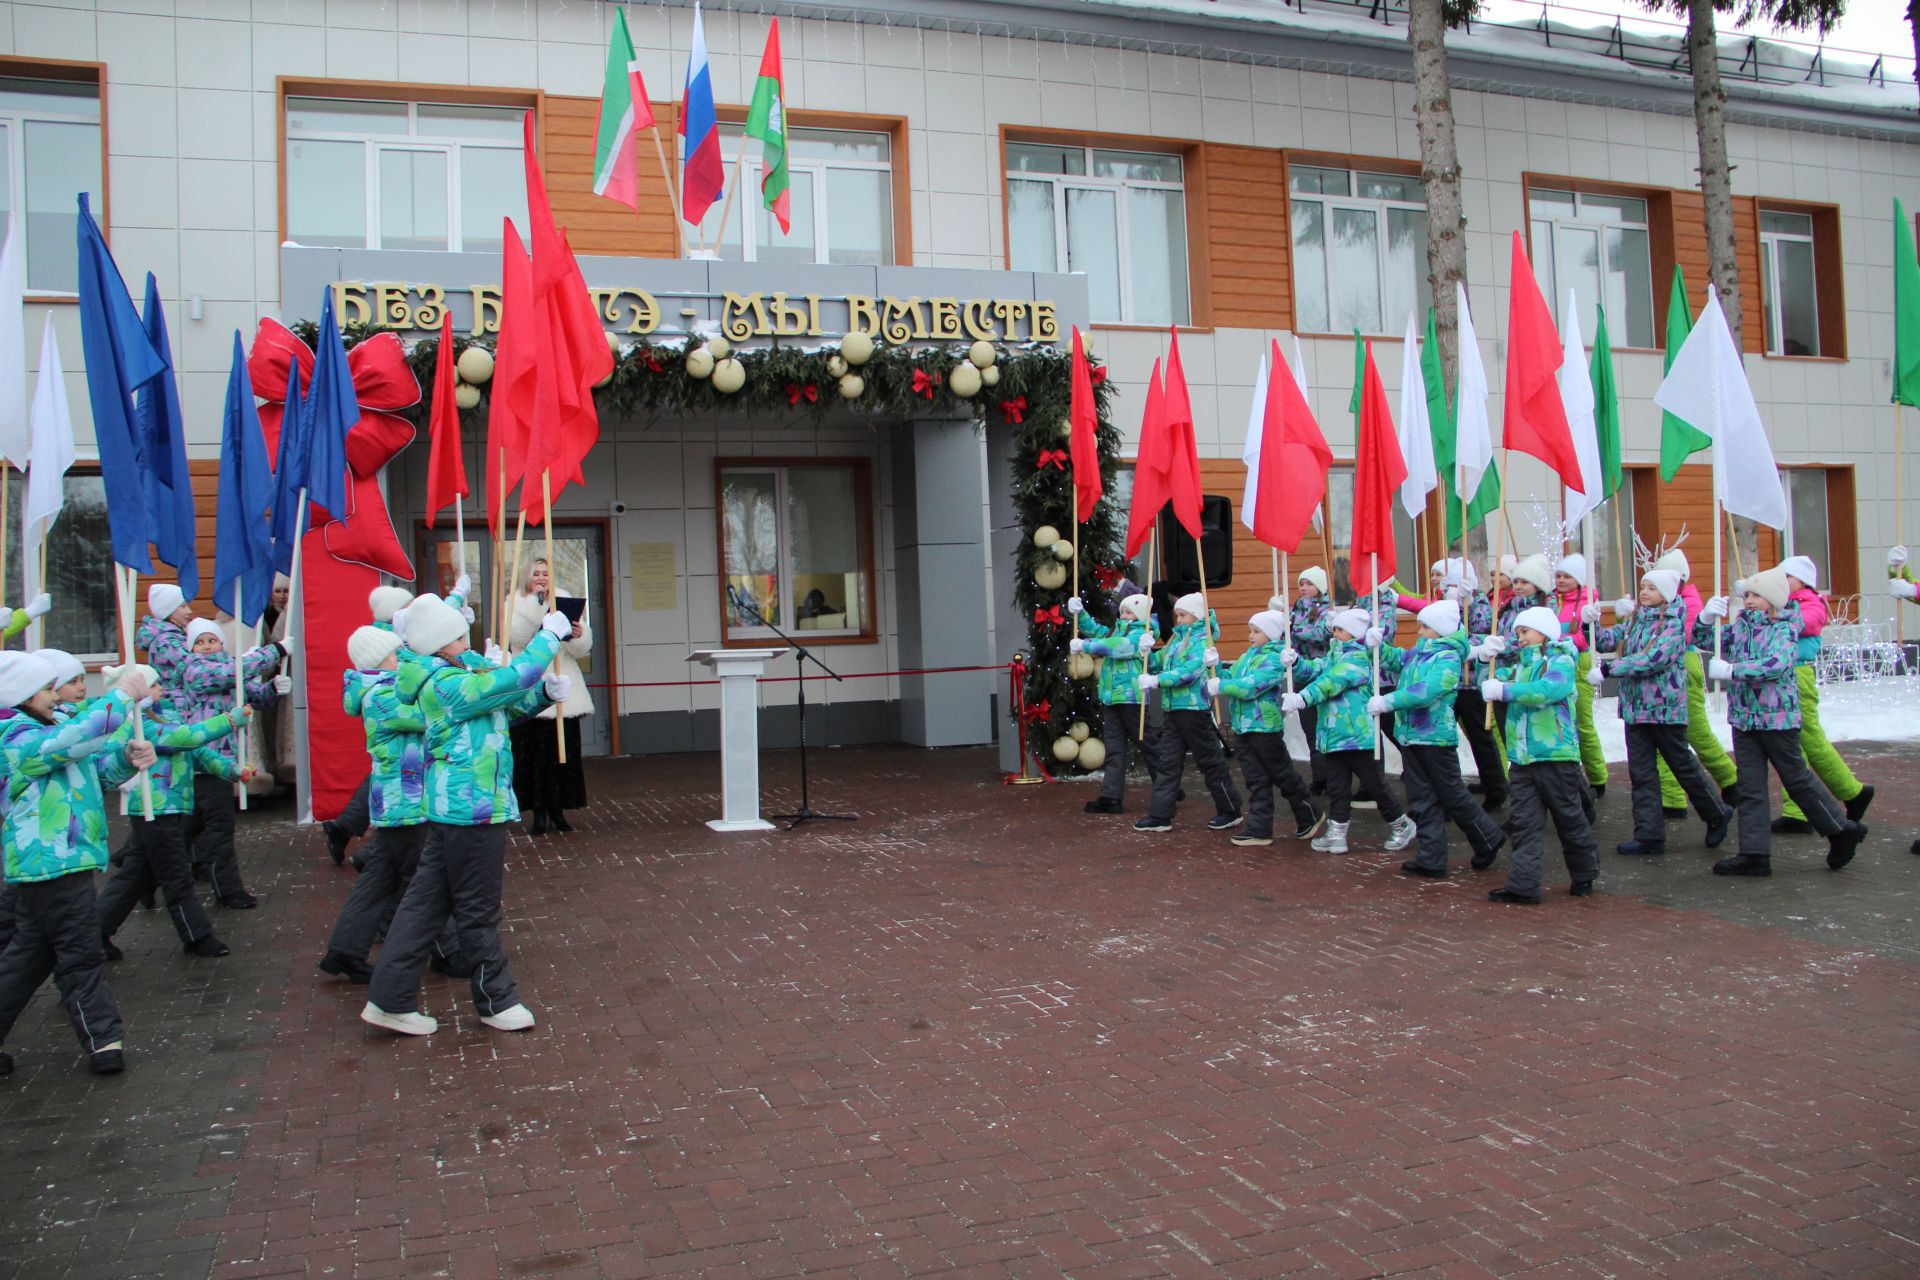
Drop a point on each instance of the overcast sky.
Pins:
(1871, 26)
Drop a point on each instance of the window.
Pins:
(1359, 249)
(1790, 302)
(49, 153)
(1119, 217)
(1412, 570)
(797, 548)
(79, 570)
(840, 193)
(1806, 531)
(402, 175)
(1597, 247)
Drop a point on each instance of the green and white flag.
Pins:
(767, 121)
(624, 112)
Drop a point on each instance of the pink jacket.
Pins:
(1813, 611)
(1570, 606)
(1694, 604)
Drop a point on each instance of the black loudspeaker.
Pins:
(1216, 543)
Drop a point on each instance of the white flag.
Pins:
(52, 452)
(1576, 393)
(1707, 389)
(1250, 451)
(1472, 431)
(14, 445)
(1299, 363)
(1416, 429)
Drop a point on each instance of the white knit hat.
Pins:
(1442, 615)
(1770, 586)
(1455, 570)
(1315, 575)
(1676, 560)
(1193, 602)
(65, 666)
(433, 624)
(1665, 581)
(1803, 568)
(1540, 619)
(1509, 563)
(21, 676)
(1352, 621)
(1136, 607)
(203, 627)
(163, 598)
(1272, 625)
(386, 601)
(368, 647)
(1534, 569)
(1575, 567)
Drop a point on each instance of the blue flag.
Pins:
(120, 360)
(158, 426)
(243, 538)
(289, 472)
(331, 411)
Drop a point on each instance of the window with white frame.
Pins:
(403, 175)
(1359, 249)
(1118, 216)
(1791, 303)
(79, 567)
(49, 153)
(840, 200)
(797, 548)
(1610, 562)
(1409, 567)
(1598, 247)
(1806, 533)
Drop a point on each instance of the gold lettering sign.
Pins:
(406, 308)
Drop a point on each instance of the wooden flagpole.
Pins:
(733, 189)
(1899, 507)
(1379, 747)
(1719, 585)
(546, 497)
(673, 193)
(500, 592)
(129, 581)
(513, 586)
(1499, 555)
(1153, 554)
(1206, 623)
(1287, 569)
(239, 685)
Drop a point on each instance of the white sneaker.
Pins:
(1333, 839)
(516, 1018)
(1402, 832)
(407, 1024)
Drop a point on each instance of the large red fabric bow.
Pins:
(383, 384)
(1098, 374)
(795, 393)
(1051, 616)
(1014, 410)
(1040, 712)
(1056, 458)
(1106, 576)
(924, 383)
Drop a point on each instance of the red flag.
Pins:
(512, 365)
(1294, 460)
(446, 468)
(1149, 468)
(568, 350)
(1536, 417)
(1378, 473)
(1085, 448)
(1183, 455)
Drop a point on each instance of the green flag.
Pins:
(1606, 406)
(1359, 375)
(1440, 419)
(1906, 311)
(1678, 441)
(1486, 500)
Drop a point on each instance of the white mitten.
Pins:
(1595, 676)
(1714, 609)
(1901, 589)
(1146, 642)
(1292, 702)
(1148, 681)
(1289, 656)
(1374, 636)
(1624, 607)
(1591, 613)
(463, 585)
(283, 685)
(39, 606)
(1076, 644)
(495, 654)
(1379, 704)
(467, 614)
(1074, 605)
(1211, 657)
(1213, 687)
(1495, 646)
(1719, 669)
(557, 625)
(1896, 556)
(287, 647)
(559, 688)
(1277, 603)
(1493, 690)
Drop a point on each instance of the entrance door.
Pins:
(580, 547)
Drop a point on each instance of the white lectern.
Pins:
(739, 671)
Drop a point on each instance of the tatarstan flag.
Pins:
(624, 111)
(767, 121)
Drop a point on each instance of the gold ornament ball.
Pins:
(991, 375)
(1051, 575)
(981, 353)
(475, 365)
(613, 345)
(729, 376)
(1063, 550)
(1045, 536)
(604, 381)
(1065, 429)
(1065, 750)
(852, 386)
(1084, 666)
(1078, 730)
(964, 381)
(836, 367)
(466, 397)
(1093, 754)
(699, 363)
(719, 348)
(1086, 344)
(856, 348)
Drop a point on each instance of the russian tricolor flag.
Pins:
(705, 176)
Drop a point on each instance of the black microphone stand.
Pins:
(801, 656)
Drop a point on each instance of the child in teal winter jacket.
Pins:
(1338, 687)
(1123, 649)
(1180, 670)
(1253, 687)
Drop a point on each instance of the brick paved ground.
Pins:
(979, 1034)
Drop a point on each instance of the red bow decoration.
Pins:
(1057, 458)
(653, 362)
(1098, 374)
(384, 385)
(1040, 712)
(1014, 410)
(795, 393)
(1051, 616)
(1107, 576)
(924, 383)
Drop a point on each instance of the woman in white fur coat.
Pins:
(546, 788)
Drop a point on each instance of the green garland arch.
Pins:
(1031, 400)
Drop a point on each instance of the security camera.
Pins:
(616, 508)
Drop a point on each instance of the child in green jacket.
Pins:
(1537, 679)
(1339, 685)
(1253, 688)
(1122, 650)
(1181, 669)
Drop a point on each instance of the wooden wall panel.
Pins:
(206, 492)
(1843, 534)
(1247, 237)
(594, 224)
(1687, 503)
(1746, 234)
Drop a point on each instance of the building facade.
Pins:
(1245, 172)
